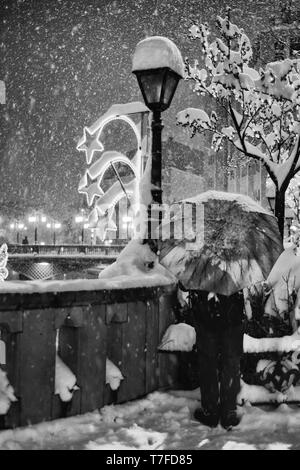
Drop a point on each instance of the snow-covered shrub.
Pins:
(65, 381)
(113, 375)
(179, 337)
(7, 394)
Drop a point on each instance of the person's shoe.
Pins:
(206, 418)
(230, 419)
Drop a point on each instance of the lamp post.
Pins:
(36, 219)
(18, 226)
(79, 219)
(33, 219)
(54, 226)
(158, 66)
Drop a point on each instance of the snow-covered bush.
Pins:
(261, 108)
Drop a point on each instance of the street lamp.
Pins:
(158, 66)
(18, 226)
(79, 219)
(33, 220)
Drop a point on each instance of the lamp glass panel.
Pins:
(170, 87)
(151, 85)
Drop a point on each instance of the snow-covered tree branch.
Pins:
(262, 106)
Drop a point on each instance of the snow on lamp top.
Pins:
(156, 52)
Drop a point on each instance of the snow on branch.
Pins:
(262, 107)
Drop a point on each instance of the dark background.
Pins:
(65, 62)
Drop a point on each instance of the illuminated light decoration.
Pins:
(100, 166)
(79, 219)
(3, 262)
(90, 144)
(106, 224)
(101, 217)
(91, 190)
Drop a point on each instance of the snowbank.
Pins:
(156, 52)
(160, 421)
(113, 375)
(7, 394)
(65, 381)
(107, 282)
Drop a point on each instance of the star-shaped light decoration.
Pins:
(106, 223)
(90, 189)
(90, 144)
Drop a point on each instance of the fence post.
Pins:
(37, 365)
(133, 353)
(152, 343)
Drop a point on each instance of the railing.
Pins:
(66, 249)
(85, 328)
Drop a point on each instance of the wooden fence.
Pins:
(124, 325)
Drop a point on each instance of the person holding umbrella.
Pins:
(219, 326)
(240, 244)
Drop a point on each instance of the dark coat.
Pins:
(223, 312)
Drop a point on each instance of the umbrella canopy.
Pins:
(234, 242)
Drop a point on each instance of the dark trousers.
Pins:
(220, 349)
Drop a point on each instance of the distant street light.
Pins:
(36, 219)
(17, 226)
(54, 226)
(158, 66)
(80, 219)
(33, 220)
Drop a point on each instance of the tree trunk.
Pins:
(279, 210)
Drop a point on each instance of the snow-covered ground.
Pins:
(161, 421)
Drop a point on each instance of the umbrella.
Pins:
(231, 243)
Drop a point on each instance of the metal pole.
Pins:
(156, 171)
(35, 236)
(54, 237)
(157, 128)
(82, 235)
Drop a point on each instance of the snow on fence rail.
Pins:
(85, 328)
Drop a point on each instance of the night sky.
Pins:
(65, 62)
